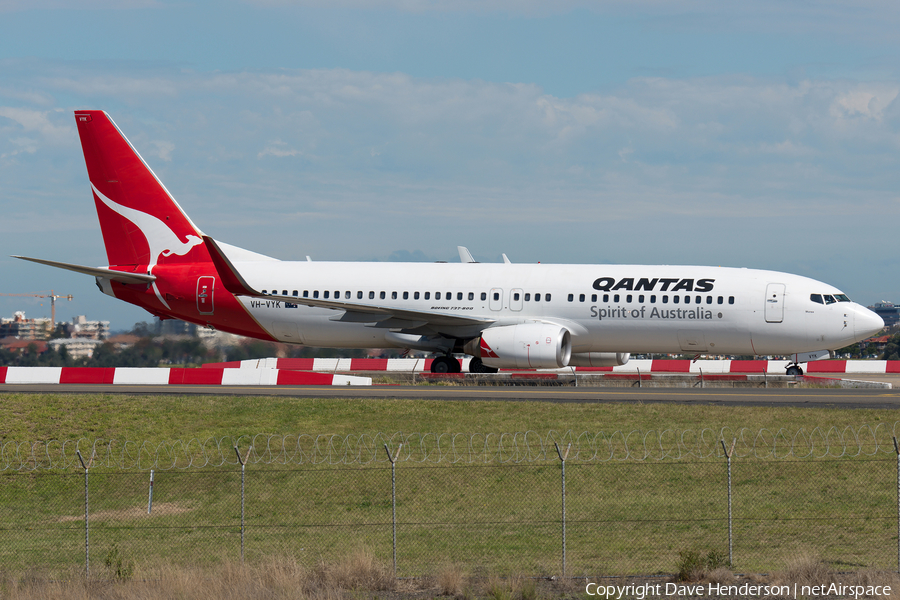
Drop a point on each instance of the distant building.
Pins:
(16, 345)
(81, 328)
(25, 329)
(887, 311)
(76, 347)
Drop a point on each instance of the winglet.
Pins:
(464, 255)
(229, 275)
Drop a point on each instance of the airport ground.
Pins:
(809, 394)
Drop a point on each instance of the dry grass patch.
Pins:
(278, 578)
(452, 580)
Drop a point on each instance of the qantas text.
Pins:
(609, 284)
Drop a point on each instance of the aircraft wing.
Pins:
(122, 276)
(381, 316)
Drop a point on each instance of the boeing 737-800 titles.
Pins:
(504, 315)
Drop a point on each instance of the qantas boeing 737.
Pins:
(503, 315)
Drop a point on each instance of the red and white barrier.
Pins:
(423, 365)
(167, 376)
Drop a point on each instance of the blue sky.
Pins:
(685, 132)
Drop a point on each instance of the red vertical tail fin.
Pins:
(141, 222)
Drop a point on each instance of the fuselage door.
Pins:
(775, 303)
(205, 289)
(496, 299)
(515, 299)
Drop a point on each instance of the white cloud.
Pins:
(164, 149)
(21, 5)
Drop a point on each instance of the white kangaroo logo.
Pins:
(161, 239)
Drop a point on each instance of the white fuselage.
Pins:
(607, 308)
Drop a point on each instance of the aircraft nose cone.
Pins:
(867, 323)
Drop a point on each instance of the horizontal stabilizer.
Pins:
(121, 276)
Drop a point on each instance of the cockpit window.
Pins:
(842, 298)
(817, 298)
(829, 299)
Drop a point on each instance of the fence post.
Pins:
(243, 461)
(562, 457)
(393, 460)
(728, 453)
(897, 451)
(87, 546)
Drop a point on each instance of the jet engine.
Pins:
(523, 346)
(599, 359)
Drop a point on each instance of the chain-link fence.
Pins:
(588, 504)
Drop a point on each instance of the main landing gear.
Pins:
(445, 364)
(476, 366)
(794, 370)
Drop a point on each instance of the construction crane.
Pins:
(52, 297)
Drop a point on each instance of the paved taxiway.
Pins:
(818, 397)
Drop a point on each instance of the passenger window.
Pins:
(416, 296)
(459, 295)
(572, 297)
(698, 300)
(296, 293)
(325, 295)
(652, 298)
(337, 295)
(449, 295)
(606, 297)
(264, 293)
(471, 295)
(496, 295)
(665, 299)
(817, 298)
(709, 299)
(527, 297)
(382, 295)
(306, 293)
(581, 297)
(615, 298)
(484, 295)
(674, 299)
(628, 298)
(427, 295)
(537, 297)
(721, 300)
(437, 295)
(393, 295)
(546, 298)
(730, 299)
(371, 295)
(687, 299)
(359, 295)
(593, 297)
(347, 295)
(641, 298)
(406, 295)
(316, 294)
(284, 292)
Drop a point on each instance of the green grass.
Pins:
(156, 418)
(622, 516)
